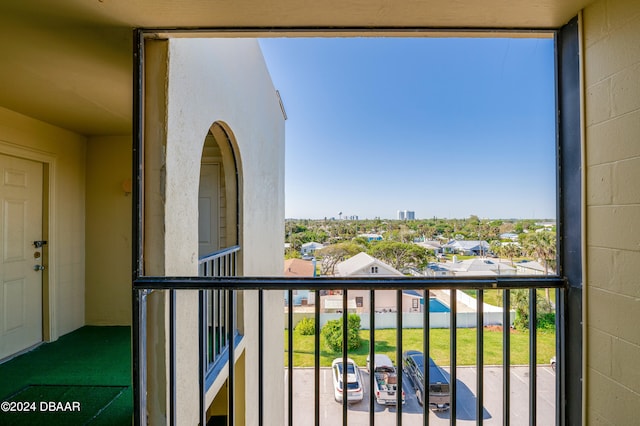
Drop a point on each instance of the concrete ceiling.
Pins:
(69, 62)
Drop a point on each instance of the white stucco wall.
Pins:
(108, 231)
(225, 80)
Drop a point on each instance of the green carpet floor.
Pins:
(90, 367)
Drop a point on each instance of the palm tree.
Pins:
(542, 246)
(496, 248)
(511, 250)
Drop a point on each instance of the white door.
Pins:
(208, 209)
(20, 282)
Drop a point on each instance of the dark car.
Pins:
(439, 395)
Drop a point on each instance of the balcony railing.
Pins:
(217, 303)
(217, 319)
(482, 284)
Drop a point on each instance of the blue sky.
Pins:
(444, 127)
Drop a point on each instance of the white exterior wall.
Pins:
(225, 81)
(108, 231)
(411, 320)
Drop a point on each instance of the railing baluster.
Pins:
(232, 356)
(215, 326)
(560, 350)
(209, 329)
(372, 356)
(532, 356)
(260, 358)
(139, 361)
(220, 328)
(172, 358)
(453, 347)
(345, 347)
(480, 357)
(426, 336)
(316, 359)
(290, 357)
(202, 364)
(399, 356)
(506, 358)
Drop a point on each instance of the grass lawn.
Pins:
(303, 353)
(494, 297)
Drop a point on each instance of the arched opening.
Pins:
(218, 205)
(218, 248)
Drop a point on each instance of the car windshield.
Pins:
(418, 359)
(350, 368)
(439, 388)
(350, 386)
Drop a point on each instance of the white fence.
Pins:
(411, 320)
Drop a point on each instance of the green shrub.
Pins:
(306, 326)
(521, 322)
(546, 321)
(332, 334)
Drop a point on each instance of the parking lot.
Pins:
(358, 413)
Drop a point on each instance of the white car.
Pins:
(355, 391)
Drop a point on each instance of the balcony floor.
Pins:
(90, 367)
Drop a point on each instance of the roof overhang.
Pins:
(70, 63)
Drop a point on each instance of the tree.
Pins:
(511, 250)
(520, 303)
(331, 255)
(292, 254)
(496, 248)
(399, 255)
(542, 246)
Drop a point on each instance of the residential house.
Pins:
(371, 237)
(309, 249)
(297, 268)
(532, 267)
(431, 245)
(474, 267)
(365, 265)
(437, 269)
(509, 236)
(68, 105)
(467, 248)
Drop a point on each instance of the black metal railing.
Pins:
(481, 284)
(217, 331)
(222, 263)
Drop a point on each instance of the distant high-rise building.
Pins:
(406, 215)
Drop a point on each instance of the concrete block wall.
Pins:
(611, 40)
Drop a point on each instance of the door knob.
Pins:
(38, 268)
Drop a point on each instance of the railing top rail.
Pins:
(329, 283)
(218, 254)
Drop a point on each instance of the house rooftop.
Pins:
(299, 268)
(363, 260)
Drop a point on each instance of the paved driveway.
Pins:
(358, 414)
